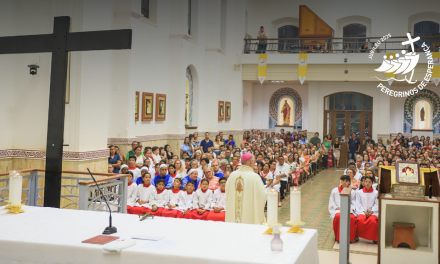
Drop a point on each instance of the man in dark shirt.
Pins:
(207, 143)
(353, 146)
(288, 138)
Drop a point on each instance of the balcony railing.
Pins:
(76, 192)
(337, 45)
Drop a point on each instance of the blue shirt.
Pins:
(353, 144)
(205, 145)
(168, 181)
(186, 149)
(418, 145)
(115, 159)
(139, 180)
(232, 142)
(188, 179)
(303, 142)
(219, 174)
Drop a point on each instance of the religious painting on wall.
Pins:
(136, 107)
(147, 108)
(161, 100)
(228, 111)
(221, 110)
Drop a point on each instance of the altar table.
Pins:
(50, 235)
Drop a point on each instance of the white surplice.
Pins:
(366, 201)
(144, 194)
(219, 199)
(131, 194)
(159, 199)
(186, 201)
(173, 199)
(335, 202)
(202, 200)
(245, 197)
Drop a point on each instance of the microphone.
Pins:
(109, 229)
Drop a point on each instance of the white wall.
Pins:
(103, 83)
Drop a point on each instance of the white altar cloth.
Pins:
(49, 235)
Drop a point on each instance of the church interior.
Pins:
(333, 107)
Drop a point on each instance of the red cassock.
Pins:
(367, 228)
(213, 216)
(170, 213)
(139, 210)
(158, 212)
(353, 226)
(129, 209)
(196, 216)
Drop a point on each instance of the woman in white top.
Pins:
(180, 170)
(139, 158)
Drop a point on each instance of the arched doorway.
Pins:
(275, 107)
(346, 113)
(412, 111)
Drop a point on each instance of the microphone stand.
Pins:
(109, 229)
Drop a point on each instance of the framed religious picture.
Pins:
(161, 107)
(136, 107)
(228, 111)
(407, 172)
(147, 107)
(221, 110)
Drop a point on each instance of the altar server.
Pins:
(172, 207)
(168, 180)
(131, 192)
(334, 208)
(159, 198)
(218, 204)
(186, 201)
(144, 193)
(202, 201)
(367, 210)
(132, 167)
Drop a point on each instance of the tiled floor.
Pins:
(363, 245)
(332, 257)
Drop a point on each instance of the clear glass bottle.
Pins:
(276, 244)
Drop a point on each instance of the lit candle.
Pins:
(272, 206)
(295, 205)
(15, 188)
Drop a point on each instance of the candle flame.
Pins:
(294, 189)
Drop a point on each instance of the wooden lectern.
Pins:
(404, 204)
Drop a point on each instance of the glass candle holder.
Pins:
(276, 244)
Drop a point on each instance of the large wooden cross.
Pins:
(60, 43)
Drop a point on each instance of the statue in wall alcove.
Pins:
(422, 114)
(286, 113)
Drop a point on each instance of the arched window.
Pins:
(426, 28)
(354, 31)
(422, 114)
(288, 31)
